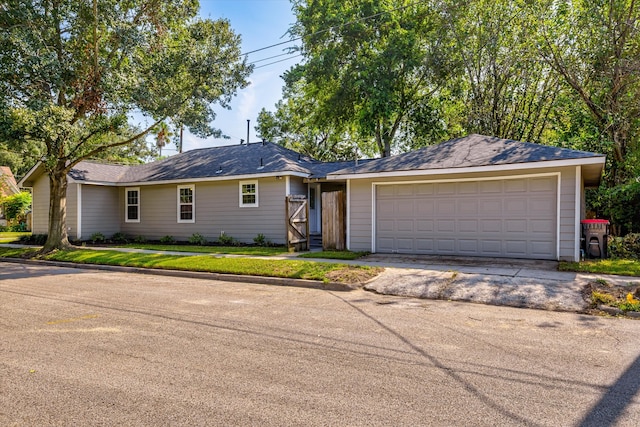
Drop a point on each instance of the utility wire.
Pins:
(365, 18)
(275, 62)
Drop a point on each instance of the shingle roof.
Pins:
(224, 161)
(270, 158)
(470, 151)
(8, 184)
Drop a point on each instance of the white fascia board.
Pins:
(29, 173)
(190, 180)
(474, 169)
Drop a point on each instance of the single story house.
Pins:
(471, 196)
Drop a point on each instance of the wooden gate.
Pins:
(297, 211)
(333, 221)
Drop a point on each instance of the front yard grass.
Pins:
(348, 255)
(236, 250)
(11, 236)
(293, 269)
(622, 267)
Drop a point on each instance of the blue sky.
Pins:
(260, 23)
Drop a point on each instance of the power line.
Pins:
(365, 18)
(275, 62)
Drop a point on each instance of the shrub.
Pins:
(19, 228)
(119, 238)
(97, 237)
(34, 239)
(140, 239)
(167, 240)
(261, 240)
(627, 247)
(225, 240)
(197, 239)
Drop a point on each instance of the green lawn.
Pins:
(11, 236)
(348, 255)
(236, 250)
(623, 267)
(294, 269)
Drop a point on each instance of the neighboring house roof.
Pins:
(472, 151)
(8, 184)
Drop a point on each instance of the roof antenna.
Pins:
(248, 121)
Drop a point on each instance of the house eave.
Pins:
(192, 180)
(599, 160)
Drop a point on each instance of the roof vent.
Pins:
(241, 141)
(261, 164)
(219, 169)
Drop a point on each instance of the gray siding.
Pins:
(297, 186)
(72, 211)
(40, 205)
(100, 210)
(360, 205)
(216, 210)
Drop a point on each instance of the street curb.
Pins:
(258, 280)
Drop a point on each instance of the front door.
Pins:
(314, 209)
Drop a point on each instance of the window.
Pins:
(186, 203)
(132, 205)
(248, 193)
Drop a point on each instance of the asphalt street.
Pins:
(87, 347)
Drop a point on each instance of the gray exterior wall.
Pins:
(360, 205)
(100, 210)
(216, 209)
(40, 205)
(297, 186)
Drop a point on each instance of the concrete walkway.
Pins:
(495, 281)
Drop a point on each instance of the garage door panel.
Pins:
(405, 245)
(503, 218)
(445, 246)
(424, 225)
(542, 249)
(468, 226)
(491, 247)
(517, 247)
(425, 207)
(468, 246)
(490, 225)
(490, 208)
(425, 245)
(468, 207)
(445, 226)
(404, 225)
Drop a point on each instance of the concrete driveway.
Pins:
(497, 281)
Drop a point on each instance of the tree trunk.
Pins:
(57, 237)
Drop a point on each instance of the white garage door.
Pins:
(513, 218)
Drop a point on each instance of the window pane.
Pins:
(248, 188)
(132, 197)
(186, 195)
(186, 212)
(132, 212)
(248, 199)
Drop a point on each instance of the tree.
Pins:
(594, 46)
(71, 73)
(16, 206)
(505, 88)
(369, 64)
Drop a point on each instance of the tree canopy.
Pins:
(73, 73)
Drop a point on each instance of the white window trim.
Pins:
(126, 204)
(193, 204)
(248, 205)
